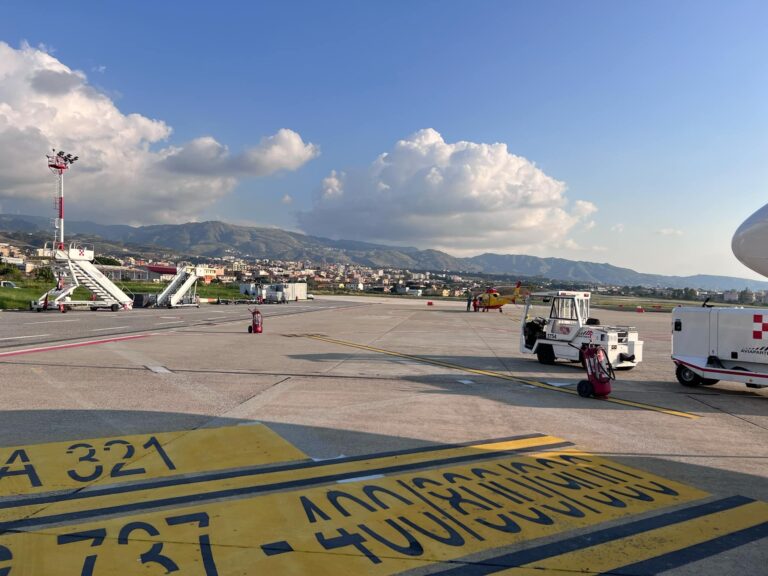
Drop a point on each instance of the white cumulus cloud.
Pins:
(127, 170)
(462, 197)
(333, 185)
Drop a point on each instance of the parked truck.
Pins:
(285, 292)
(713, 344)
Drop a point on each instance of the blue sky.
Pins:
(642, 127)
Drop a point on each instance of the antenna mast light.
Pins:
(59, 162)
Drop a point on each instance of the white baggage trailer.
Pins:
(713, 344)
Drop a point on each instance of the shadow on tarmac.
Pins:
(667, 394)
(25, 427)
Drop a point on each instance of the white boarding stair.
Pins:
(84, 273)
(90, 277)
(182, 283)
(56, 296)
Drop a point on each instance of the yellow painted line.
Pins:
(493, 374)
(647, 545)
(76, 464)
(381, 525)
(252, 480)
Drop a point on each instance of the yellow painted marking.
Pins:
(205, 485)
(79, 463)
(625, 551)
(493, 374)
(376, 526)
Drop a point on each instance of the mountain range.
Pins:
(217, 239)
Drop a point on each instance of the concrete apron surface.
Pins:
(392, 437)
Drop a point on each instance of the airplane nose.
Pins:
(750, 242)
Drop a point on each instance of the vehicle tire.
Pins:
(582, 359)
(114, 307)
(686, 376)
(250, 329)
(584, 388)
(708, 381)
(93, 308)
(545, 354)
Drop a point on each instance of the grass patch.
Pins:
(19, 298)
(629, 303)
(209, 291)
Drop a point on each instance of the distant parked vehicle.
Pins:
(7, 284)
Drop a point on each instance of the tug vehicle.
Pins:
(568, 331)
(713, 344)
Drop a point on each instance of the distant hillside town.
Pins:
(335, 277)
(213, 241)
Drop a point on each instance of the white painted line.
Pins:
(324, 459)
(561, 384)
(20, 337)
(468, 382)
(172, 322)
(170, 317)
(360, 478)
(51, 321)
(110, 328)
(159, 369)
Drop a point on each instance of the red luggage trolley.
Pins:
(599, 373)
(257, 322)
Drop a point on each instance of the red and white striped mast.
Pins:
(58, 162)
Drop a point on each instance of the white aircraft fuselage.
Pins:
(750, 242)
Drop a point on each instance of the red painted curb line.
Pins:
(74, 345)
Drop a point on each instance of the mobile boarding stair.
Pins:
(74, 267)
(182, 290)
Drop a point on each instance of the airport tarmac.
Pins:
(363, 436)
